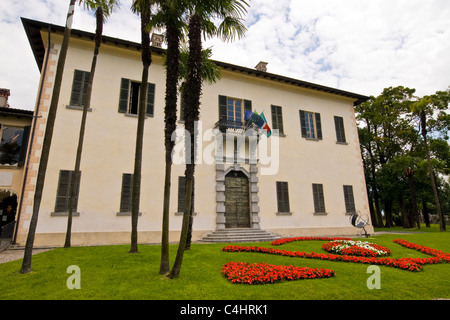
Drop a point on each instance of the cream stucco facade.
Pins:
(109, 145)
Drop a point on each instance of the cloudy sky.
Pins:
(361, 46)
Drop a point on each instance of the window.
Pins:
(79, 88)
(129, 97)
(283, 196)
(310, 125)
(127, 189)
(13, 145)
(340, 132)
(277, 119)
(64, 189)
(319, 202)
(181, 193)
(232, 109)
(349, 199)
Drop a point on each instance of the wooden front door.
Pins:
(237, 208)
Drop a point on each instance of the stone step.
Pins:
(239, 235)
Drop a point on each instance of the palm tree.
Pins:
(210, 74)
(170, 15)
(26, 263)
(103, 9)
(202, 12)
(142, 7)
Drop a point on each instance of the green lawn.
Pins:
(110, 272)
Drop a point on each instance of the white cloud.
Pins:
(355, 45)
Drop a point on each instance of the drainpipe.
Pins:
(30, 144)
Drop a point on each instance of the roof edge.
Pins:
(33, 27)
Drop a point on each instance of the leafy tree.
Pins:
(26, 263)
(103, 9)
(385, 132)
(427, 106)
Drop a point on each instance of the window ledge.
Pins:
(64, 214)
(320, 213)
(342, 143)
(182, 213)
(283, 213)
(77, 108)
(312, 139)
(279, 134)
(132, 115)
(126, 214)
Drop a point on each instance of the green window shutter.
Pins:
(150, 99)
(181, 193)
(318, 126)
(182, 106)
(125, 197)
(303, 123)
(124, 95)
(319, 202)
(282, 196)
(24, 146)
(277, 118)
(79, 88)
(63, 193)
(247, 105)
(349, 199)
(222, 108)
(340, 132)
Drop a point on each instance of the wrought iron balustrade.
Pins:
(6, 235)
(238, 127)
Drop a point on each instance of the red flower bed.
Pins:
(432, 252)
(410, 264)
(356, 248)
(261, 273)
(279, 242)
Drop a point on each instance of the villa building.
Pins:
(305, 179)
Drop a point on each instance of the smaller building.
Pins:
(15, 127)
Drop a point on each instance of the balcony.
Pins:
(246, 128)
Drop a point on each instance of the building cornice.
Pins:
(33, 30)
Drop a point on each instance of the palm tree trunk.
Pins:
(76, 175)
(173, 56)
(136, 193)
(26, 263)
(194, 88)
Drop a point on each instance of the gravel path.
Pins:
(16, 254)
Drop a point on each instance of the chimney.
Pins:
(157, 40)
(4, 94)
(262, 66)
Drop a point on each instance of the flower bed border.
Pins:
(263, 273)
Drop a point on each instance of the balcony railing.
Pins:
(237, 127)
(6, 235)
